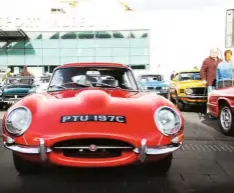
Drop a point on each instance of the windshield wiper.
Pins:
(108, 85)
(77, 84)
(57, 86)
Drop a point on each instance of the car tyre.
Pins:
(226, 119)
(25, 167)
(161, 167)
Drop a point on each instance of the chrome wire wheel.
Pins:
(226, 118)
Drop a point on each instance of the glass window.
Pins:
(121, 51)
(139, 59)
(113, 77)
(68, 52)
(47, 60)
(16, 60)
(140, 33)
(117, 34)
(103, 52)
(3, 44)
(3, 60)
(85, 35)
(51, 52)
(16, 45)
(68, 35)
(119, 43)
(86, 43)
(50, 35)
(122, 60)
(33, 44)
(50, 43)
(68, 44)
(139, 51)
(86, 59)
(34, 35)
(103, 35)
(104, 59)
(3, 52)
(85, 52)
(33, 60)
(65, 60)
(100, 43)
(139, 42)
(37, 52)
(15, 52)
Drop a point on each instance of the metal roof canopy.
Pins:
(16, 34)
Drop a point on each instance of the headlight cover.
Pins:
(167, 120)
(189, 91)
(18, 120)
(165, 88)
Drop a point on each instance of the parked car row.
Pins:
(15, 88)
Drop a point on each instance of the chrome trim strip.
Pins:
(98, 147)
(26, 150)
(159, 150)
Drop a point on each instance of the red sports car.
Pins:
(92, 115)
(221, 106)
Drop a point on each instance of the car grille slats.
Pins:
(81, 148)
(198, 91)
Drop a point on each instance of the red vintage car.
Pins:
(221, 106)
(92, 115)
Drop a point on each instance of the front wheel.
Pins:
(226, 120)
(25, 167)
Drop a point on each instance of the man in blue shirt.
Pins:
(225, 71)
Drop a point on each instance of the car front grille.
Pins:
(154, 88)
(199, 91)
(83, 148)
(13, 96)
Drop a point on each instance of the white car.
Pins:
(42, 87)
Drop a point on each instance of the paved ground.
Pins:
(205, 163)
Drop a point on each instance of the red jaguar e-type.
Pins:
(221, 106)
(92, 115)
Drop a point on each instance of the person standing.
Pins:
(208, 71)
(225, 71)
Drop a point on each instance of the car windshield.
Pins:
(19, 81)
(80, 77)
(189, 76)
(151, 78)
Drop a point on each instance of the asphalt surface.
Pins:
(205, 163)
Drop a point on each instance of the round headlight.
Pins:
(189, 91)
(18, 120)
(165, 88)
(167, 120)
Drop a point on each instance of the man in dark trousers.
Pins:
(208, 71)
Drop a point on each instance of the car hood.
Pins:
(154, 84)
(191, 83)
(16, 90)
(48, 108)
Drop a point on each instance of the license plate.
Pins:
(93, 118)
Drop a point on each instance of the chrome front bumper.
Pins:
(42, 150)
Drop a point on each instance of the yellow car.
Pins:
(186, 89)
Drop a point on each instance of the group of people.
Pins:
(217, 73)
(24, 72)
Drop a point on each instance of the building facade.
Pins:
(42, 51)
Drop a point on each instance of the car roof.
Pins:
(94, 64)
(185, 71)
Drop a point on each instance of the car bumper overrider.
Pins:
(137, 153)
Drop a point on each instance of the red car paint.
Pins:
(47, 109)
(218, 96)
